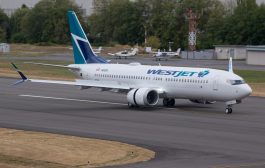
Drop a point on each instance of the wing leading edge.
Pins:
(87, 83)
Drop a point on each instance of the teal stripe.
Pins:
(75, 27)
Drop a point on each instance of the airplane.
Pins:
(166, 55)
(98, 50)
(125, 54)
(146, 84)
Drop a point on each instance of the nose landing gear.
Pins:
(229, 104)
(229, 109)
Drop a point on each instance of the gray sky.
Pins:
(260, 1)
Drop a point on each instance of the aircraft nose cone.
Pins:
(247, 90)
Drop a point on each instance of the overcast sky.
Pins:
(260, 1)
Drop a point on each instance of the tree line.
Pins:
(240, 22)
(45, 23)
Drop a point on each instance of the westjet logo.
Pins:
(178, 73)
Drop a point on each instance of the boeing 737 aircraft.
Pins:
(144, 84)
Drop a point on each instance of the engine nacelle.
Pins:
(202, 101)
(143, 97)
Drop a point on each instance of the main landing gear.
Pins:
(168, 102)
(132, 105)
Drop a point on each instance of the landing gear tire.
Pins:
(228, 110)
(130, 105)
(168, 102)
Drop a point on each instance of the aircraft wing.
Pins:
(125, 55)
(79, 82)
(86, 83)
(161, 54)
(52, 65)
(111, 54)
(107, 85)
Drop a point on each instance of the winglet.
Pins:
(23, 77)
(230, 65)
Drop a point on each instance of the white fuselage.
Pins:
(174, 82)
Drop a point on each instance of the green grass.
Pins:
(252, 76)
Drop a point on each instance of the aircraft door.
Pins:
(216, 83)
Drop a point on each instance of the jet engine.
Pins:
(202, 101)
(142, 97)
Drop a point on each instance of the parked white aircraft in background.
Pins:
(125, 54)
(166, 55)
(145, 84)
(98, 50)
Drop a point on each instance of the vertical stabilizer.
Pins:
(82, 50)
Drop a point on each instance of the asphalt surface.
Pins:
(189, 135)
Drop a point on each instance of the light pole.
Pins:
(145, 16)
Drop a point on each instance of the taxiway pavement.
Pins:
(189, 135)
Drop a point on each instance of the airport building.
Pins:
(256, 55)
(4, 48)
(227, 51)
(10, 6)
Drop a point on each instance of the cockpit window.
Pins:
(236, 82)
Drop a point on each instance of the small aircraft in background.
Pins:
(166, 55)
(125, 54)
(98, 50)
